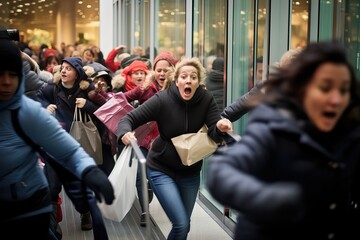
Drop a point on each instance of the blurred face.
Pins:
(68, 73)
(52, 64)
(187, 82)
(327, 95)
(9, 82)
(101, 83)
(259, 71)
(87, 56)
(138, 77)
(160, 71)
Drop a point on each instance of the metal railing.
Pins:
(142, 161)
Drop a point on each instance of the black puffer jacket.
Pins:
(289, 181)
(174, 117)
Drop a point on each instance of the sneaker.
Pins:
(86, 221)
(143, 220)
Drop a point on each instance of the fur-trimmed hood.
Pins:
(84, 84)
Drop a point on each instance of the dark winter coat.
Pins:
(215, 81)
(289, 181)
(174, 117)
(65, 101)
(244, 103)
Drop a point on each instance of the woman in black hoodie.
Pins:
(182, 108)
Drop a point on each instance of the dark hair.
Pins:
(50, 58)
(88, 50)
(290, 82)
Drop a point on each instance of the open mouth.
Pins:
(329, 114)
(187, 90)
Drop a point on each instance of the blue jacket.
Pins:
(289, 181)
(21, 176)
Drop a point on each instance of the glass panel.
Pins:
(198, 29)
(127, 24)
(136, 32)
(259, 71)
(171, 27)
(299, 23)
(249, 46)
(209, 28)
(145, 27)
(326, 15)
(350, 34)
(209, 44)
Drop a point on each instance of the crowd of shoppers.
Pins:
(308, 186)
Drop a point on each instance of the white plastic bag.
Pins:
(123, 179)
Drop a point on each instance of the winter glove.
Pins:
(97, 181)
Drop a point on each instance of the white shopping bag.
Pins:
(123, 179)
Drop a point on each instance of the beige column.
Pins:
(66, 22)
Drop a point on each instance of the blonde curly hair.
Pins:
(174, 72)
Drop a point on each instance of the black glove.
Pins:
(97, 181)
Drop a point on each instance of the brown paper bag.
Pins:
(193, 147)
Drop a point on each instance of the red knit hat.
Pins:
(167, 56)
(133, 67)
(50, 52)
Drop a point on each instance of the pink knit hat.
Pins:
(167, 56)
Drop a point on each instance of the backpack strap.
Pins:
(20, 131)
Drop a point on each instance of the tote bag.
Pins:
(123, 179)
(193, 147)
(86, 133)
(114, 109)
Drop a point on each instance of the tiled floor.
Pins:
(203, 226)
(127, 229)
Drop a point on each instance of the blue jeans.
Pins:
(177, 197)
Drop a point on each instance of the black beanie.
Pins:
(128, 60)
(10, 56)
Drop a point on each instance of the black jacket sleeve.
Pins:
(243, 104)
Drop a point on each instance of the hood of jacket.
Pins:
(10, 59)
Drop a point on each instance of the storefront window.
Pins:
(299, 23)
(348, 25)
(209, 38)
(39, 21)
(170, 26)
